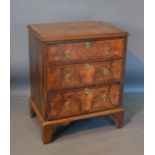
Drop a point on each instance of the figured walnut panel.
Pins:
(61, 105)
(36, 70)
(86, 50)
(77, 75)
(81, 101)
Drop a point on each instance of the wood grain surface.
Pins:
(75, 30)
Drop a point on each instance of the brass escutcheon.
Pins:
(103, 97)
(88, 44)
(67, 53)
(86, 90)
(67, 76)
(105, 71)
(87, 66)
(106, 50)
(67, 104)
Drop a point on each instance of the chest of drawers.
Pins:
(76, 72)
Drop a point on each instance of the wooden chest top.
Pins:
(75, 30)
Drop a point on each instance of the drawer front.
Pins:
(86, 50)
(77, 75)
(84, 100)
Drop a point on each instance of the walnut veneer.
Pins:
(76, 72)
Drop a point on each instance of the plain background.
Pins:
(125, 14)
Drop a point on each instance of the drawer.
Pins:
(77, 75)
(83, 100)
(101, 49)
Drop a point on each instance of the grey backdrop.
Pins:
(126, 14)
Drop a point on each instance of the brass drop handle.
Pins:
(86, 91)
(105, 71)
(67, 76)
(88, 45)
(87, 66)
(104, 97)
(106, 50)
(67, 53)
(67, 104)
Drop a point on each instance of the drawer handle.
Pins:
(105, 71)
(106, 50)
(67, 76)
(67, 104)
(87, 66)
(67, 53)
(86, 91)
(103, 97)
(88, 45)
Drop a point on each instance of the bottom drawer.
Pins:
(83, 100)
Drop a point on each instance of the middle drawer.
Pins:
(77, 75)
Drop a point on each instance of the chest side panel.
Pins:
(36, 70)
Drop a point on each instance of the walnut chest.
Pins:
(76, 72)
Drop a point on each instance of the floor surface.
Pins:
(96, 136)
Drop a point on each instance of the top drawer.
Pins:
(102, 49)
